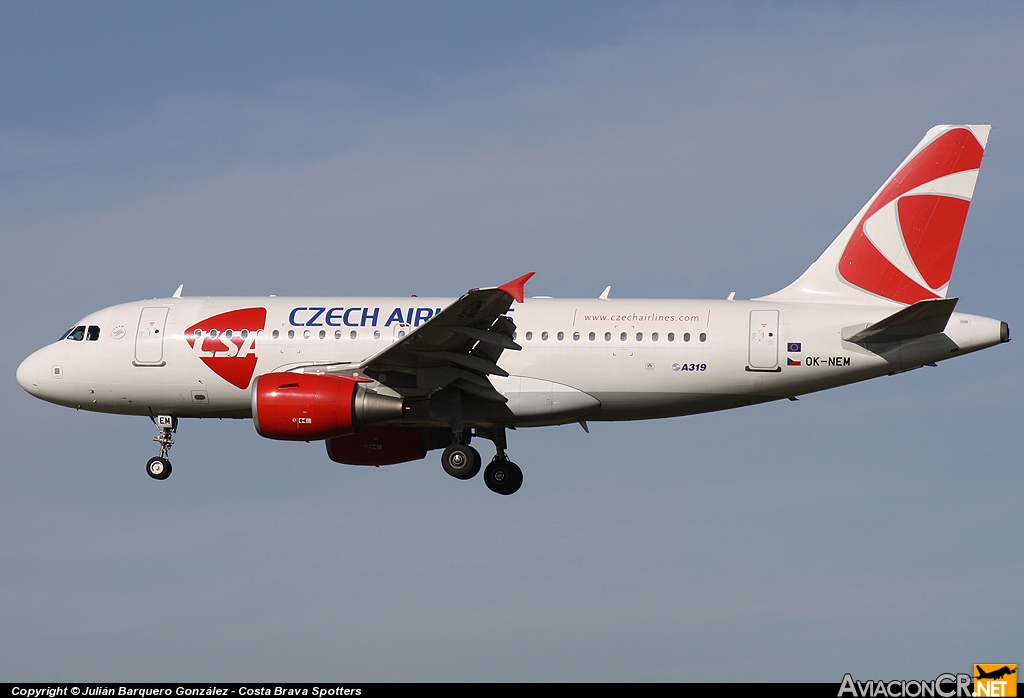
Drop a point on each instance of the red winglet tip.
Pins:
(517, 287)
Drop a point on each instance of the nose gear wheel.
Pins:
(158, 467)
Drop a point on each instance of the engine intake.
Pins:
(309, 407)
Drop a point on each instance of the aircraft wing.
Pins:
(459, 346)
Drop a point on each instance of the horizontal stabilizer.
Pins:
(918, 320)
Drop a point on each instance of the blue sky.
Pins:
(671, 150)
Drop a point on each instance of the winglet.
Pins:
(177, 294)
(517, 287)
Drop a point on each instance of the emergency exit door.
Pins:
(149, 340)
(763, 353)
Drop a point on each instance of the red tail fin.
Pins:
(902, 245)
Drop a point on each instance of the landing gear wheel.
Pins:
(503, 476)
(461, 461)
(158, 468)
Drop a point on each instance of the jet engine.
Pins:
(310, 407)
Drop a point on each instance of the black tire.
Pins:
(158, 468)
(503, 476)
(461, 461)
(476, 467)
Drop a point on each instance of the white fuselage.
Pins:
(592, 359)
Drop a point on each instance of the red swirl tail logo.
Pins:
(904, 246)
(227, 343)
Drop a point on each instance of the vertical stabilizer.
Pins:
(900, 248)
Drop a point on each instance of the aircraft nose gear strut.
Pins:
(158, 467)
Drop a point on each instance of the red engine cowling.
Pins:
(308, 407)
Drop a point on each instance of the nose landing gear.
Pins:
(158, 467)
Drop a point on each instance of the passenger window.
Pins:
(654, 336)
(703, 337)
(213, 334)
(686, 337)
(323, 334)
(376, 334)
(228, 334)
(544, 336)
(561, 336)
(639, 336)
(622, 337)
(337, 334)
(245, 334)
(671, 336)
(352, 335)
(592, 336)
(77, 334)
(575, 336)
(607, 336)
(276, 334)
(94, 333)
(305, 334)
(529, 336)
(291, 334)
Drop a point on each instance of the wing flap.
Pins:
(477, 363)
(489, 393)
(489, 337)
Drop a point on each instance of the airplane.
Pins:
(385, 380)
(995, 674)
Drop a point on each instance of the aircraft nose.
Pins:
(28, 375)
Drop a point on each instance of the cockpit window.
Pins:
(76, 335)
(94, 333)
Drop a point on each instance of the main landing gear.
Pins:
(462, 461)
(158, 467)
(502, 475)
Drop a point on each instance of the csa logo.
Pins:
(995, 680)
(227, 343)
(914, 213)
